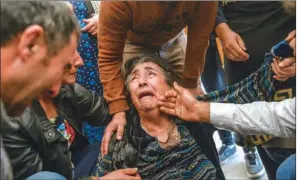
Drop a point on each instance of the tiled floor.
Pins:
(235, 167)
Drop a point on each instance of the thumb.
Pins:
(290, 36)
(240, 42)
(178, 88)
(287, 62)
(130, 171)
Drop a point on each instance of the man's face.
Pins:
(147, 84)
(38, 73)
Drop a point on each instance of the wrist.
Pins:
(120, 114)
(203, 111)
(222, 29)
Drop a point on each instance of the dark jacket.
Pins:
(34, 144)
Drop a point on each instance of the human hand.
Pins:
(291, 39)
(128, 174)
(233, 45)
(92, 25)
(180, 102)
(284, 69)
(117, 124)
(196, 91)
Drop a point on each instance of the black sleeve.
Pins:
(92, 107)
(220, 15)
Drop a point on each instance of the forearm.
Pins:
(275, 118)
(199, 30)
(220, 15)
(113, 26)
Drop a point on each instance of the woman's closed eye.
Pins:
(151, 74)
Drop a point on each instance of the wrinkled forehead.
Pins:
(144, 66)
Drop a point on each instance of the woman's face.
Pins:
(69, 77)
(147, 84)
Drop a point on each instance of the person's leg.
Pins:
(287, 170)
(253, 163)
(228, 148)
(84, 161)
(45, 175)
(236, 72)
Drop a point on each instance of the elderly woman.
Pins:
(159, 145)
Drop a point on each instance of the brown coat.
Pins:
(136, 21)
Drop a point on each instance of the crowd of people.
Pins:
(158, 78)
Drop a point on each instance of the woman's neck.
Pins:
(155, 123)
(48, 106)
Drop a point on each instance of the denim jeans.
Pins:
(44, 175)
(287, 170)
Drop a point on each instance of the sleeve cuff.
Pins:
(221, 115)
(118, 106)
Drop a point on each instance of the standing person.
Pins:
(130, 29)
(248, 30)
(88, 76)
(38, 41)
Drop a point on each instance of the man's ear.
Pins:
(31, 40)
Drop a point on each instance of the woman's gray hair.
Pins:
(56, 19)
(170, 77)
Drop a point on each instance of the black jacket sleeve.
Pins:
(220, 16)
(92, 106)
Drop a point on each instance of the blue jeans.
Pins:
(43, 175)
(287, 170)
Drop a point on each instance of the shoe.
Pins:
(226, 153)
(254, 165)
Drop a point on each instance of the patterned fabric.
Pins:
(64, 128)
(185, 161)
(259, 86)
(88, 75)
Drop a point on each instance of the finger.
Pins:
(170, 93)
(171, 99)
(94, 33)
(178, 88)
(240, 43)
(239, 53)
(279, 79)
(167, 105)
(101, 147)
(230, 56)
(86, 28)
(168, 111)
(120, 132)
(92, 29)
(229, 53)
(281, 71)
(277, 71)
(129, 171)
(287, 62)
(87, 20)
(106, 140)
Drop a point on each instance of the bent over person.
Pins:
(130, 29)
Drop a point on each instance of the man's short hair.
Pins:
(170, 77)
(56, 19)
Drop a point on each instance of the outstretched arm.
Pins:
(274, 118)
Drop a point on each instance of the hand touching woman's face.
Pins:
(147, 83)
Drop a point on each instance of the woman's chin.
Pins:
(70, 80)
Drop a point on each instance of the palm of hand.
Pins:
(184, 106)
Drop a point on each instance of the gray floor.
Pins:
(235, 167)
